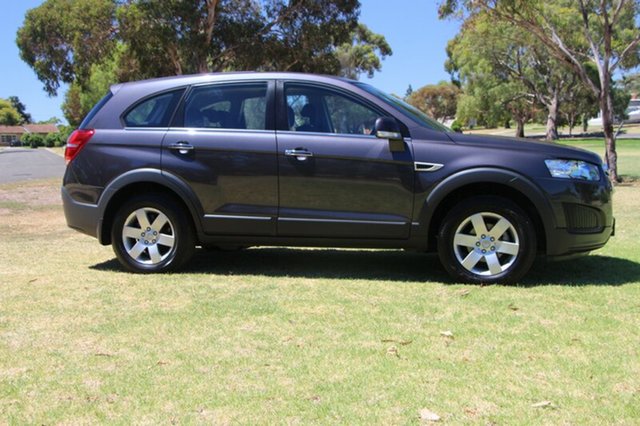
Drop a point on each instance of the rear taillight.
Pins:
(76, 142)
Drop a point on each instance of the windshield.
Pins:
(405, 108)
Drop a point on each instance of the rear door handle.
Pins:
(301, 154)
(182, 147)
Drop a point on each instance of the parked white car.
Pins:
(633, 114)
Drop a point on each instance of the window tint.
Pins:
(231, 106)
(405, 108)
(153, 112)
(95, 109)
(311, 109)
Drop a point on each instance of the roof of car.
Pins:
(240, 75)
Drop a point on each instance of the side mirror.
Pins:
(388, 128)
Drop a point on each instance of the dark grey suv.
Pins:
(244, 159)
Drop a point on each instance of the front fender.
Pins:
(515, 181)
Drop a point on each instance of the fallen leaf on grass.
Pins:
(33, 280)
(464, 293)
(103, 354)
(401, 342)
(392, 350)
(429, 416)
(513, 307)
(448, 334)
(471, 412)
(542, 404)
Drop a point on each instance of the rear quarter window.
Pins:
(96, 108)
(155, 111)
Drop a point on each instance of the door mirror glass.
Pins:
(388, 128)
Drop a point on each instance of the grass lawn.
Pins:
(272, 335)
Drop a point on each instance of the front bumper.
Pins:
(583, 214)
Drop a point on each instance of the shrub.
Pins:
(50, 139)
(25, 139)
(456, 126)
(35, 140)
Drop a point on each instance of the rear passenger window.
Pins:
(153, 112)
(227, 106)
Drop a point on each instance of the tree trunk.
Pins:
(606, 108)
(571, 120)
(210, 22)
(519, 128)
(552, 118)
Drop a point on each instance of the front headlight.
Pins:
(573, 169)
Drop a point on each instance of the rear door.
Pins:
(336, 178)
(223, 145)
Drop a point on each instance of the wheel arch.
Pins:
(145, 181)
(487, 181)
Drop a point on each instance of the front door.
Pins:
(336, 178)
(224, 147)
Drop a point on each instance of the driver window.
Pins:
(311, 109)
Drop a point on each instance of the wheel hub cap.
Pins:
(486, 244)
(148, 236)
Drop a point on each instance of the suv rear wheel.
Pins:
(150, 233)
(487, 239)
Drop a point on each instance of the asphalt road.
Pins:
(19, 164)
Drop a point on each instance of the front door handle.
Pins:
(301, 154)
(182, 147)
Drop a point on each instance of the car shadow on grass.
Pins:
(391, 265)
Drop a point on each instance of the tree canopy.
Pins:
(90, 44)
(25, 117)
(9, 116)
(363, 53)
(62, 39)
(438, 100)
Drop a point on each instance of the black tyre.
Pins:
(152, 233)
(487, 239)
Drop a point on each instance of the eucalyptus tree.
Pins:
(363, 53)
(608, 27)
(488, 49)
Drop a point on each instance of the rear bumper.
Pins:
(82, 217)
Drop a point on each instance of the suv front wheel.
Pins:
(487, 239)
(150, 233)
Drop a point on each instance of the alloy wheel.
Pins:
(148, 236)
(486, 244)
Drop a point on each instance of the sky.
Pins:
(411, 27)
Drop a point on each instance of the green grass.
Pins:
(275, 335)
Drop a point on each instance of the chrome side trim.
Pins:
(327, 135)
(370, 222)
(238, 217)
(426, 167)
